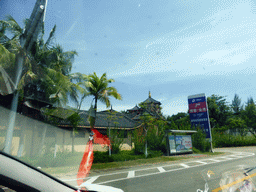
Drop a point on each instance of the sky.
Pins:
(171, 48)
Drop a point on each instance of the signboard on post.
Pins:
(183, 143)
(198, 112)
(180, 143)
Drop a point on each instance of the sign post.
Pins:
(199, 116)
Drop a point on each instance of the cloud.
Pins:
(199, 44)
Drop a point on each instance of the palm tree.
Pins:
(12, 44)
(47, 67)
(100, 90)
(10, 25)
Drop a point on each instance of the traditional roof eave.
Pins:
(182, 131)
(96, 127)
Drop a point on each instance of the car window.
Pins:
(90, 88)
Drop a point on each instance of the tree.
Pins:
(114, 135)
(100, 90)
(249, 116)
(177, 116)
(147, 123)
(181, 120)
(11, 43)
(46, 68)
(237, 124)
(236, 104)
(250, 101)
(10, 26)
(80, 80)
(219, 111)
(156, 135)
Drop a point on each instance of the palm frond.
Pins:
(105, 100)
(13, 26)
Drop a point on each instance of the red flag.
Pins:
(87, 160)
(100, 139)
(86, 163)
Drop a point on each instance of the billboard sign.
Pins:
(198, 113)
(183, 143)
(180, 143)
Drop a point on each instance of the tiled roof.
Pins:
(103, 120)
(134, 108)
(151, 100)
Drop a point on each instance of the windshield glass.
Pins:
(108, 92)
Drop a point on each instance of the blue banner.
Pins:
(198, 113)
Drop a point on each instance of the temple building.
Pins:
(112, 119)
(125, 122)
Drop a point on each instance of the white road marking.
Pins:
(184, 165)
(91, 180)
(228, 158)
(161, 169)
(131, 174)
(201, 162)
(237, 156)
(252, 154)
(214, 160)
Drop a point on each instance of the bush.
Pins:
(199, 141)
(220, 139)
(126, 156)
(139, 141)
(152, 154)
(102, 157)
(195, 150)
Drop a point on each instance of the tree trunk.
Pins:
(146, 146)
(95, 110)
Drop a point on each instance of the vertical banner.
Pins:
(198, 113)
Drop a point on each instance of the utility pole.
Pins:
(28, 37)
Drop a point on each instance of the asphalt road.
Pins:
(185, 176)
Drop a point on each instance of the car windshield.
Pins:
(137, 95)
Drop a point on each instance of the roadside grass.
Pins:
(72, 170)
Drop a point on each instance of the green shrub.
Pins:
(139, 141)
(199, 141)
(126, 156)
(152, 154)
(222, 139)
(195, 150)
(102, 157)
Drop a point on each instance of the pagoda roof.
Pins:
(134, 108)
(151, 100)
